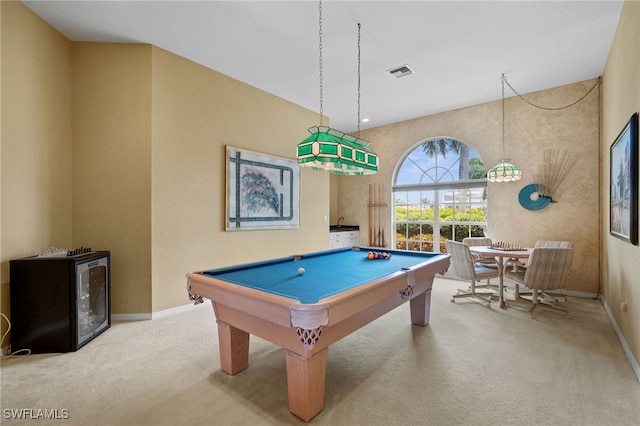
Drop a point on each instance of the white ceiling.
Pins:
(458, 49)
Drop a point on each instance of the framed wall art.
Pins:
(623, 213)
(263, 192)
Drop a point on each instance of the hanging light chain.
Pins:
(358, 79)
(503, 171)
(330, 150)
(320, 58)
(504, 80)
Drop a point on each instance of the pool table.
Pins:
(304, 312)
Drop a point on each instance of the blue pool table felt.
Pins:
(326, 273)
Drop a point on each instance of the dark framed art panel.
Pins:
(623, 178)
(263, 191)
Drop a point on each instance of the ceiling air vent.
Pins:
(400, 71)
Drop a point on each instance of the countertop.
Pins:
(343, 228)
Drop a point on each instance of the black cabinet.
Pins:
(59, 303)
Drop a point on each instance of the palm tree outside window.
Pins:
(439, 193)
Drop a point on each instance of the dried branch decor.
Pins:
(555, 168)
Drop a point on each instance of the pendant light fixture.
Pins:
(330, 150)
(503, 171)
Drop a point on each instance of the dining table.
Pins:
(500, 254)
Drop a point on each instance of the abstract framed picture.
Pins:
(623, 213)
(263, 192)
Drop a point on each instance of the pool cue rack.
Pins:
(377, 206)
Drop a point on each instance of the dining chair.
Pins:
(546, 269)
(466, 267)
(516, 263)
(485, 260)
(488, 261)
(551, 243)
(541, 243)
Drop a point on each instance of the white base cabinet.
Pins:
(340, 239)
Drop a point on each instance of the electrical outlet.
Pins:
(623, 306)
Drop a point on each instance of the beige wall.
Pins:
(528, 130)
(36, 139)
(621, 98)
(3, 290)
(112, 164)
(150, 130)
(196, 112)
(333, 208)
(121, 147)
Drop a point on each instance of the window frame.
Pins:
(437, 188)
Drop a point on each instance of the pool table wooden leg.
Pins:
(421, 308)
(234, 348)
(305, 382)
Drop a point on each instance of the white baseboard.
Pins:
(155, 315)
(625, 346)
(130, 317)
(580, 294)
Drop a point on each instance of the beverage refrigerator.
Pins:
(59, 303)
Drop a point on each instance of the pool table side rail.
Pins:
(263, 263)
(345, 304)
(265, 305)
(288, 312)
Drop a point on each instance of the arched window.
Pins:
(439, 193)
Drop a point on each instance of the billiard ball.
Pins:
(300, 271)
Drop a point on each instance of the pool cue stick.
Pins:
(370, 217)
(375, 225)
(384, 243)
(378, 203)
(379, 218)
(370, 242)
(375, 212)
(373, 220)
(375, 215)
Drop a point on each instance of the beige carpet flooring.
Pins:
(470, 366)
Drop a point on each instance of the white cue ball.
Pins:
(300, 271)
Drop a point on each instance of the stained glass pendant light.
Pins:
(503, 171)
(331, 150)
(336, 152)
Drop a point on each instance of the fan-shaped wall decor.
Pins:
(531, 198)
